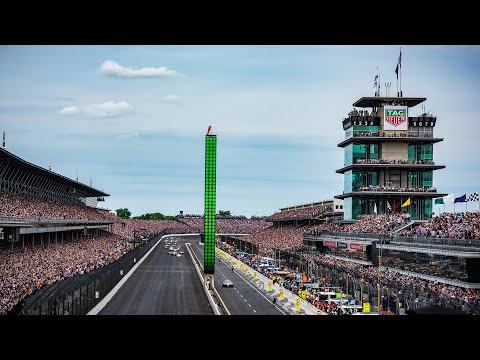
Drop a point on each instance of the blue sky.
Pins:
(133, 118)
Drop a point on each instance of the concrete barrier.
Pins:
(196, 263)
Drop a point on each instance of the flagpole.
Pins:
(400, 72)
(379, 87)
(397, 81)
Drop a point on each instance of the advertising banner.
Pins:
(395, 118)
(329, 243)
(356, 247)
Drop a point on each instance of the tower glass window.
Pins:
(427, 179)
(359, 152)
(426, 152)
(412, 179)
(412, 152)
(374, 154)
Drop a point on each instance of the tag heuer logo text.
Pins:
(395, 117)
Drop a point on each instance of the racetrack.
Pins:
(163, 284)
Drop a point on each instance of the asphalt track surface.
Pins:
(163, 284)
(243, 298)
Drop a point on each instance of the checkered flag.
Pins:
(473, 197)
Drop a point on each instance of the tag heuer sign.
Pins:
(395, 118)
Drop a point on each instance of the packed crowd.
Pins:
(356, 112)
(460, 225)
(396, 189)
(383, 134)
(17, 206)
(147, 227)
(25, 269)
(285, 237)
(394, 161)
(448, 267)
(228, 225)
(305, 213)
(378, 224)
(393, 280)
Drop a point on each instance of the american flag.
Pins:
(473, 197)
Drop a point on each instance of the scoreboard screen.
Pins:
(361, 121)
(422, 121)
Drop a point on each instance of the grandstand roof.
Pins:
(303, 206)
(377, 101)
(15, 161)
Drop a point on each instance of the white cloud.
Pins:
(108, 109)
(112, 68)
(170, 99)
(69, 110)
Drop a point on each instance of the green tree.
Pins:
(224, 213)
(155, 216)
(123, 213)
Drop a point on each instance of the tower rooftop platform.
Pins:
(377, 101)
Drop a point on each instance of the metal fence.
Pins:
(77, 295)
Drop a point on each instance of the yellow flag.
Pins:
(406, 203)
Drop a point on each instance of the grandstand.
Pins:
(40, 204)
(321, 210)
